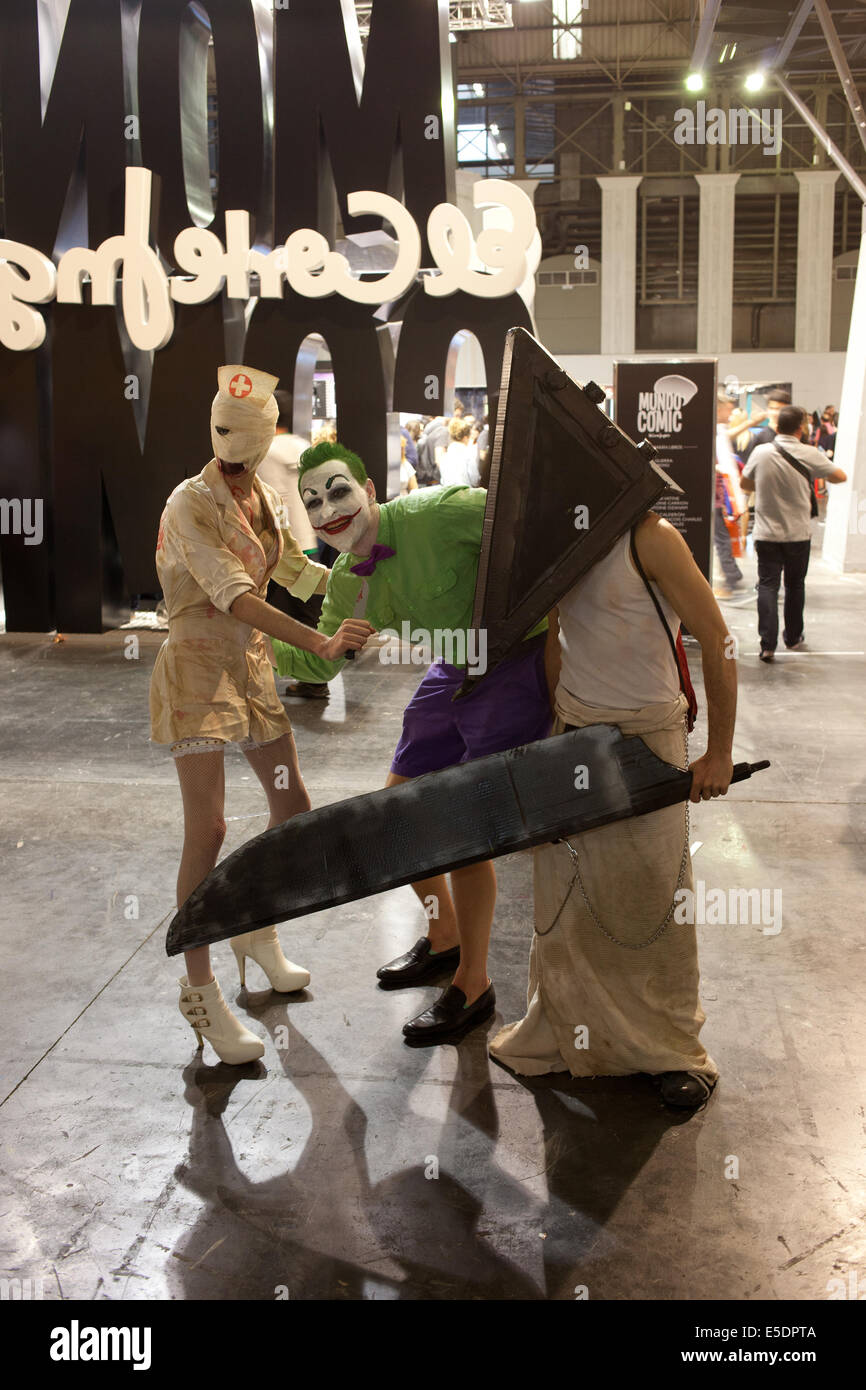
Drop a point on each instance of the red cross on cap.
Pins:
(240, 385)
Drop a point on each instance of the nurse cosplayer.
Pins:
(222, 537)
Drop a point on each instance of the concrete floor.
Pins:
(134, 1171)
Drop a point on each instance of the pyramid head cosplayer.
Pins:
(243, 422)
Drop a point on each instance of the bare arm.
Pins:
(552, 656)
(747, 484)
(350, 636)
(837, 476)
(755, 418)
(668, 561)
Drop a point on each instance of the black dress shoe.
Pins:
(682, 1089)
(449, 1019)
(417, 965)
(308, 690)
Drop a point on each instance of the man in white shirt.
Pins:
(783, 524)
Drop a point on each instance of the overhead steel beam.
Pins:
(798, 19)
(463, 15)
(840, 59)
(705, 34)
(818, 130)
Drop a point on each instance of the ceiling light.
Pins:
(452, 37)
(502, 147)
(755, 81)
(695, 81)
(478, 89)
(494, 128)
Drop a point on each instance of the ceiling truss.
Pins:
(463, 15)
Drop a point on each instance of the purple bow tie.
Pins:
(368, 566)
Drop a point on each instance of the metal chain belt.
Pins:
(578, 878)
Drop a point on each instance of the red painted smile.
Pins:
(333, 528)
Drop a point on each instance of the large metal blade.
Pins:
(442, 821)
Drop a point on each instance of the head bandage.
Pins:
(246, 408)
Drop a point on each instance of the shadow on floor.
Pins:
(324, 1230)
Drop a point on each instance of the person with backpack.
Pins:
(782, 475)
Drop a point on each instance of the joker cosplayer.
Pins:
(221, 539)
(415, 560)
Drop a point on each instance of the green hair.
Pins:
(326, 453)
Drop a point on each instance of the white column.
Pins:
(814, 259)
(716, 262)
(845, 531)
(618, 263)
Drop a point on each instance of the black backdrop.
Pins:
(67, 429)
(686, 448)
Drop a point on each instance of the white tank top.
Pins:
(614, 650)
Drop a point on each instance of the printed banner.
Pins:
(673, 405)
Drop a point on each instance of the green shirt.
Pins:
(429, 583)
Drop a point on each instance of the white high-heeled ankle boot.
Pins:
(264, 948)
(205, 1009)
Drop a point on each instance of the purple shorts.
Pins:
(510, 707)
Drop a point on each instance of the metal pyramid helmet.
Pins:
(565, 484)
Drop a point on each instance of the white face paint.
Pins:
(339, 507)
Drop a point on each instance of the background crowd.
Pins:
(436, 449)
(738, 435)
(442, 450)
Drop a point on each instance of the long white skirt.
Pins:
(596, 1008)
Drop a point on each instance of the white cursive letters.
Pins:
(305, 261)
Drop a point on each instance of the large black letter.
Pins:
(429, 325)
(241, 121)
(95, 442)
(318, 111)
(86, 103)
(24, 474)
(280, 326)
